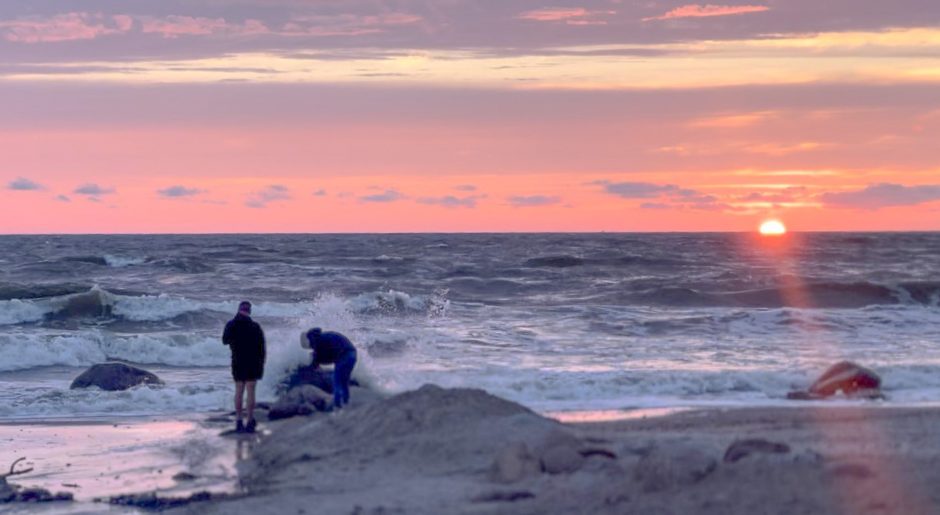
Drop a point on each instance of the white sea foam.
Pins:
(18, 311)
(123, 261)
(26, 351)
(141, 400)
(23, 351)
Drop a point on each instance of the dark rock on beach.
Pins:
(851, 379)
(114, 377)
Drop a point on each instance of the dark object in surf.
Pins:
(114, 377)
(322, 379)
(851, 379)
(742, 448)
(300, 401)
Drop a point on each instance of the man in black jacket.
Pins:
(246, 340)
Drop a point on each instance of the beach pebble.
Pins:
(673, 465)
(114, 377)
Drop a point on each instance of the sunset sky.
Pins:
(468, 115)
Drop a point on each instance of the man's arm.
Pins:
(227, 336)
(264, 350)
(316, 357)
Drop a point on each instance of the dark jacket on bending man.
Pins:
(246, 340)
(328, 346)
(332, 347)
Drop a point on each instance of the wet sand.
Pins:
(100, 458)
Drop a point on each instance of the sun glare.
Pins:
(773, 228)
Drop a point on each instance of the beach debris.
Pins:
(669, 466)
(596, 451)
(15, 494)
(740, 449)
(851, 379)
(184, 476)
(504, 496)
(13, 471)
(151, 502)
(300, 401)
(114, 376)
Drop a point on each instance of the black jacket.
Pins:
(246, 339)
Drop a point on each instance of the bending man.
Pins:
(246, 340)
(332, 347)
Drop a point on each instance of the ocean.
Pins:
(557, 322)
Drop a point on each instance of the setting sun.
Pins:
(773, 228)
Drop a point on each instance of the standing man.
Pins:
(246, 340)
(332, 347)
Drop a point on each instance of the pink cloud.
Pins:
(555, 14)
(568, 15)
(64, 27)
(708, 10)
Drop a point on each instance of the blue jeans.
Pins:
(342, 371)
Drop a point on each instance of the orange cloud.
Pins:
(732, 121)
(778, 149)
(708, 10)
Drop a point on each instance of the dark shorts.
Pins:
(247, 370)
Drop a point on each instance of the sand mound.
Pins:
(430, 430)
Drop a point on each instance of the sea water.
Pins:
(557, 322)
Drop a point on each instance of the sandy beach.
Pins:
(438, 450)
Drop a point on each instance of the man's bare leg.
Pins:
(251, 399)
(239, 393)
